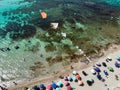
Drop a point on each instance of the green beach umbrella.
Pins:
(90, 79)
(110, 68)
(30, 89)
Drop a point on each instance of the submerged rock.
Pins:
(28, 31)
(17, 31)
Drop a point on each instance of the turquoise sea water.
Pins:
(27, 38)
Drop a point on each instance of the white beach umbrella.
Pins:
(93, 71)
(109, 58)
(74, 72)
(69, 78)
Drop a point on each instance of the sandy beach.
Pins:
(110, 81)
(41, 42)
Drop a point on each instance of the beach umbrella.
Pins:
(69, 78)
(109, 58)
(42, 86)
(54, 85)
(103, 80)
(74, 79)
(74, 72)
(104, 64)
(98, 64)
(97, 69)
(80, 82)
(105, 72)
(57, 89)
(110, 68)
(93, 71)
(66, 83)
(29, 89)
(99, 77)
(117, 64)
(118, 58)
(65, 78)
(91, 80)
(78, 76)
(59, 83)
(43, 15)
(49, 87)
(35, 87)
(84, 73)
(69, 88)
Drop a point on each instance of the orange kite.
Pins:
(44, 15)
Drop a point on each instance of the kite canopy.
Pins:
(54, 25)
(43, 15)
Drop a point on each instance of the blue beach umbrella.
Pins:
(97, 69)
(42, 86)
(69, 78)
(54, 86)
(118, 58)
(57, 89)
(105, 72)
(74, 79)
(99, 77)
(59, 83)
(117, 64)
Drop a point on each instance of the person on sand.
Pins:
(116, 77)
(25, 88)
(15, 83)
(3, 88)
(71, 67)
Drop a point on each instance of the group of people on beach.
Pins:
(77, 78)
(67, 80)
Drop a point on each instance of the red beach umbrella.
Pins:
(66, 83)
(49, 87)
(78, 76)
(65, 78)
(69, 87)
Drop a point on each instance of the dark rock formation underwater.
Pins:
(21, 22)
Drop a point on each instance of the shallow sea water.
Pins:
(29, 47)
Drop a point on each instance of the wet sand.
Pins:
(111, 82)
